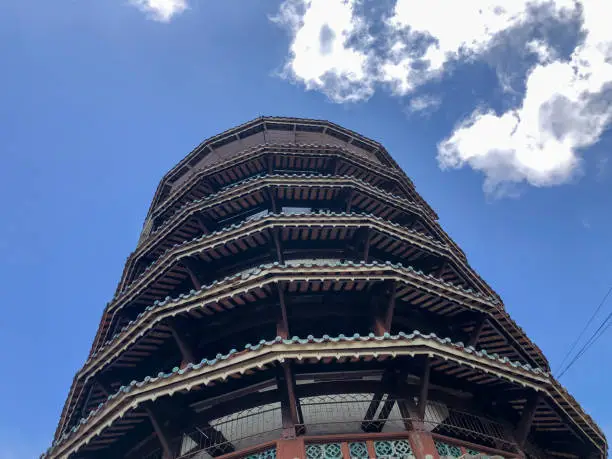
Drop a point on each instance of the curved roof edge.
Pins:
(275, 122)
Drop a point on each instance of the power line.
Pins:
(593, 315)
(594, 337)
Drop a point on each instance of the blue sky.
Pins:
(500, 117)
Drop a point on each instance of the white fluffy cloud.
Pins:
(565, 108)
(160, 10)
(319, 55)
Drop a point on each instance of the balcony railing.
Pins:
(346, 414)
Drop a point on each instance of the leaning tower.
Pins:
(292, 296)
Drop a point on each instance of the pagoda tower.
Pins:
(292, 296)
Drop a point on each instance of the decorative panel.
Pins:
(446, 451)
(324, 451)
(265, 454)
(388, 449)
(358, 450)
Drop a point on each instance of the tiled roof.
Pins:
(300, 341)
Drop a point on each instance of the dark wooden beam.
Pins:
(282, 326)
(289, 413)
(386, 385)
(366, 246)
(479, 327)
(277, 245)
(160, 432)
(270, 164)
(440, 270)
(103, 387)
(187, 353)
(184, 420)
(206, 224)
(192, 268)
(424, 388)
(86, 402)
(349, 201)
(524, 425)
(383, 317)
(273, 202)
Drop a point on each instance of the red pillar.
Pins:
(423, 445)
(290, 449)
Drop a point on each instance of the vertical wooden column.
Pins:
(366, 246)
(383, 316)
(277, 246)
(291, 448)
(424, 389)
(423, 445)
(191, 266)
(270, 163)
(421, 441)
(524, 425)
(289, 403)
(160, 432)
(273, 203)
(349, 202)
(187, 354)
(282, 323)
(475, 336)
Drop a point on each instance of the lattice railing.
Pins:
(344, 414)
(356, 413)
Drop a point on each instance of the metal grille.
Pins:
(354, 413)
(341, 414)
(388, 449)
(345, 413)
(233, 432)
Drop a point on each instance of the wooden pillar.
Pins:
(273, 203)
(191, 266)
(289, 408)
(423, 445)
(86, 402)
(205, 224)
(187, 354)
(366, 246)
(440, 270)
(349, 202)
(277, 245)
(388, 380)
(270, 163)
(103, 387)
(282, 324)
(383, 317)
(524, 425)
(160, 432)
(291, 448)
(424, 389)
(475, 336)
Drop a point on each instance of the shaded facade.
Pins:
(291, 295)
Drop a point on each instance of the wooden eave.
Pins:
(261, 357)
(300, 157)
(263, 123)
(385, 235)
(251, 192)
(444, 299)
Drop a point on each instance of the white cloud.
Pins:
(160, 10)
(424, 104)
(333, 51)
(566, 107)
(456, 30)
(319, 54)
